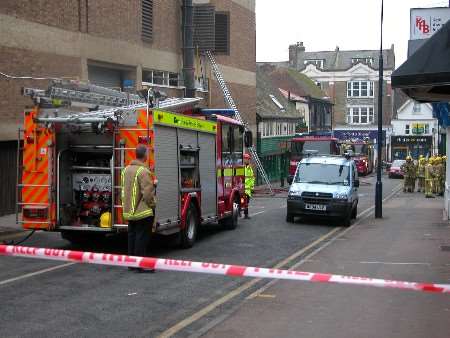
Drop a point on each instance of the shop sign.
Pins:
(418, 128)
(410, 139)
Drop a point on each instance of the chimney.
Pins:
(296, 55)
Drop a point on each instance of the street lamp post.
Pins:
(379, 184)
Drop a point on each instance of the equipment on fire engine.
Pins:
(105, 220)
(229, 99)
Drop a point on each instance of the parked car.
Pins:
(395, 169)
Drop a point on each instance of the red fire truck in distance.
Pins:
(310, 145)
(362, 153)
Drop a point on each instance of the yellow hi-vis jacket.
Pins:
(138, 196)
(249, 180)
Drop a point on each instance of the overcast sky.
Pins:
(325, 24)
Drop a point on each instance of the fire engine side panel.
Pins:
(187, 138)
(166, 170)
(208, 180)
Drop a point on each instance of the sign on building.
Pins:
(358, 135)
(424, 22)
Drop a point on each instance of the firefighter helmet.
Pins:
(408, 158)
(105, 220)
(246, 156)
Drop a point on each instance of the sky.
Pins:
(325, 24)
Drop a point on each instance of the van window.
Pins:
(323, 173)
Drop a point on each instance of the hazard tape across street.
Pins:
(211, 268)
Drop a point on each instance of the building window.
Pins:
(407, 129)
(366, 61)
(222, 33)
(161, 78)
(316, 62)
(427, 128)
(147, 20)
(204, 27)
(360, 115)
(173, 79)
(360, 89)
(416, 107)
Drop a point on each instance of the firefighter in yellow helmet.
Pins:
(429, 178)
(439, 177)
(421, 174)
(409, 173)
(436, 175)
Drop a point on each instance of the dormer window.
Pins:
(366, 60)
(316, 62)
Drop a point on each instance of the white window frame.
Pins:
(355, 114)
(427, 128)
(354, 88)
(417, 108)
(365, 60)
(165, 76)
(316, 62)
(407, 129)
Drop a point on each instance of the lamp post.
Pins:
(379, 184)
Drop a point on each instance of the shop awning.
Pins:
(425, 76)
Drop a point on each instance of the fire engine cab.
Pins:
(362, 152)
(72, 161)
(304, 146)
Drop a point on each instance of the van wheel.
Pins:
(230, 223)
(188, 235)
(347, 219)
(289, 218)
(355, 212)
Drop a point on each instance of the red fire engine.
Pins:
(72, 162)
(362, 154)
(310, 145)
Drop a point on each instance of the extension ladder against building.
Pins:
(229, 99)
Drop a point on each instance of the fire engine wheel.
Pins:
(230, 223)
(188, 235)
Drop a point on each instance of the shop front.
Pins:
(414, 146)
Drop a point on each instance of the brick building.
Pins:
(118, 44)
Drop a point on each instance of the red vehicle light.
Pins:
(35, 212)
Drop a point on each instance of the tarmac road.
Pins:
(50, 299)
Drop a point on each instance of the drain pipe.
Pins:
(188, 48)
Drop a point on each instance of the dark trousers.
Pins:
(139, 236)
(248, 204)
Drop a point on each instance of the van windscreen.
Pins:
(323, 173)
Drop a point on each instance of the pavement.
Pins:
(410, 243)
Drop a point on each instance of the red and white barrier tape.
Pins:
(211, 268)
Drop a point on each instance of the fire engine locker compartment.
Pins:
(184, 162)
(84, 187)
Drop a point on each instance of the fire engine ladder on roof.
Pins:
(229, 100)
